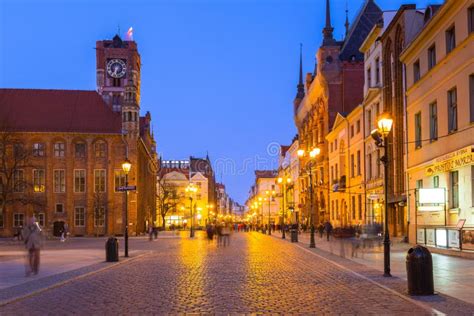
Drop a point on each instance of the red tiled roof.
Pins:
(34, 110)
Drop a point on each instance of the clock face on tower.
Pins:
(116, 68)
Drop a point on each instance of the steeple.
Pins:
(347, 21)
(300, 86)
(328, 29)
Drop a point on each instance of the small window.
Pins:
(419, 184)
(369, 166)
(452, 111)
(18, 181)
(59, 149)
(470, 19)
(352, 131)
(369, 78)
(38, 150)
(358, 127)
(431, 56)
(416, 71)
(40, 219)
(59, 181)
(99, 216)
(38, 180)
(59, 208)
(119, 176)
(353, 200)
(100, 150)
(19, 151)
(471, 97)
(436, 182)
(454, 188)
(99, 180)
(359, 197)
(359, 169)
(18, 220)
(352, 166)
(80, 150)
(377, 70)
(418, 130)
(79, 217)
(433, 121)
(450, 39)
(2, 222)
(80, 181)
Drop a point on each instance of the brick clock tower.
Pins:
(118, 67)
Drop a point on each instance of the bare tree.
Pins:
(100, 204)
(15, 163)
(167, 198)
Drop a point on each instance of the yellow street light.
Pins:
(384, 124)
(300, 152)
(126, 166)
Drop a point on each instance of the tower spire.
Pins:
(300, 86)
(347, 20)
(328, 29)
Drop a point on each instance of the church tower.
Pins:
(118, 66)
(130, 110)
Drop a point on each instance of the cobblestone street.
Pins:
(255, 274)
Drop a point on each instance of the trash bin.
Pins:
(294, 235)
(419, 271)
(111, 250)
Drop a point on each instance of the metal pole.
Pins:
(126, 216)
(191, 230)
(312, 243)
(284, 210)
(386, 240)
(269, 227)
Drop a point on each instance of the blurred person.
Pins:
(33, 243)
(328, 229)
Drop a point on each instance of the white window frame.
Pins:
(56, 208)
(62, 186)
(59, 149)
(119, 173)
(18, 187)
(103, 217)
(15, 219)
(42, 214)
(76, 218)
(105, 181)
(39, 181)
(85, 181)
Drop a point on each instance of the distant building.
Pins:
(75, 143)
(264, 199)
(335, 86)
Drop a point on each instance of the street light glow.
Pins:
(384, 124)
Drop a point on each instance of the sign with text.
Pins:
(454, 160)
(127, 188)
(431, 196)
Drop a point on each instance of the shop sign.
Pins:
(431, 196)
(453, 237)
(373, 196)
(455, 160)
(441, 237)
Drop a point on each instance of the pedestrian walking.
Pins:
(321, 230)
(33, 242)
(328, 229)
(150, 233)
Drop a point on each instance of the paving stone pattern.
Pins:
(255, 274)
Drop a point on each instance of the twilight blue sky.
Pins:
(217, 75)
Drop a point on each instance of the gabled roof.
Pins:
(368, 16)
(35, 110)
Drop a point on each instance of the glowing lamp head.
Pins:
(313, 153)
(300, 152)
(280, 180)
(384, 124)
(288, 180)
(126, 166)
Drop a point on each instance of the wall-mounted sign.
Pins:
(373, 196)
(454, 160)
(431, 196)
(460, 223)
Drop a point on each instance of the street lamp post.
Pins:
(309, 168)
(283, 182)
(191, 189)
(269, 195)
(209, 207)
(380, 135)
(126, 166)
